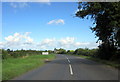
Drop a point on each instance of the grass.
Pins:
(114, 64)
(13, 67)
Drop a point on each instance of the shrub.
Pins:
(5, 54)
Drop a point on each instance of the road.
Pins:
(66, 67)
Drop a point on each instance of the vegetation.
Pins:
(21, 53)
(60, 51)
(85, 52)
(90, 54)
(114, 63)
(13, 67)
(15, 63)
(107, 29)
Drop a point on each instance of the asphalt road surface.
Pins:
(66, 67)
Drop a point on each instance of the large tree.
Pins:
(107, 19)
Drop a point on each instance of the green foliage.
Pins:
(85, 52)
(106, 17)
(70, 52)
(106, 51)
(19, 53)
(5, 54)
(113, 63)
(60, 51)
(50, 51)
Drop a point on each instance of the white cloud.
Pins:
(41, 0)
(25, 0)
(17, 37)
(66, 43)
(57, 21)
(13, 5)
(24, 41)
(1, 45)
(19, 4)
(70, 43)
(24, 3)
(17, 40)
(47, 43)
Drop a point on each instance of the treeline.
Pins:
(79, 51)
(20, 53)
(23, 53)
(90, 52)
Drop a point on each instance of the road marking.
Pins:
(71, 72)
(66, 57)
(68, 60)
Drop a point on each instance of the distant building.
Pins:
(45, 53)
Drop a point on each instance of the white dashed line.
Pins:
(71, 72)
(68, 60)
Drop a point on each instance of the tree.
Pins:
(8, 50)
(106, 17)
(70, 51)
(61, 51)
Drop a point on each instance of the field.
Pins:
(13, 67)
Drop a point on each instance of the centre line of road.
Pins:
(68, 60)
(71, 72)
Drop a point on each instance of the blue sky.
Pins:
(45, 26)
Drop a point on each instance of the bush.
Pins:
(106, 51)
(70, 52)
(18, 53)
(5, 54)
(85, 52)
(61, 51)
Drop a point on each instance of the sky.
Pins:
(45, 26)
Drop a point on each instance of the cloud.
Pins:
(19, 4)
(25, 0)
(17, 40)
(17, 37)
(47, 43)
(70, 43)
(25, 3)
(41, 0)
(66, 43)
(56, 21)
(24, 41)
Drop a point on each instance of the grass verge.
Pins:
(114, 64)
(13, 67)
